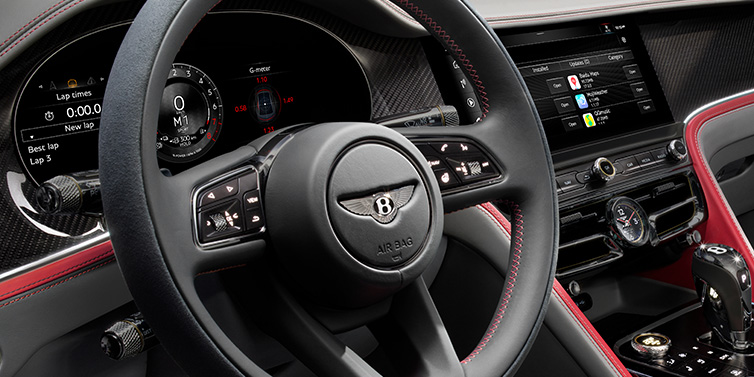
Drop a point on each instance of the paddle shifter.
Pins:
(722, 282)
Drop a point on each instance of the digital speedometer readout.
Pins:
(191, 115)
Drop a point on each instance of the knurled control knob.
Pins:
(604, 169)
(128, 337)
(677, 150)
(218, 222)
(68, 194)
(651, 345)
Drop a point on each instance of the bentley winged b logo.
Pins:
(382, 206)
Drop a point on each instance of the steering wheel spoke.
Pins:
(201, 213)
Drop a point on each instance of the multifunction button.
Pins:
(230, 208)
(456, 163)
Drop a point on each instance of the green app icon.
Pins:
(589, 120)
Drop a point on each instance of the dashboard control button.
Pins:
(473, 168)
(652, 346)
(646, 106)
(557, 85)
(219, 192)
(572, 123)
(445, 178)
(628, 164)
(251, 200)
(586, 176)
(603, 169)
(248, 182)
(454, 148)
(434, 162)
(254, 220)
(645, 158)
(639, 89)
(564, 105)
(659, 154)
(632, 71)
(221, 222)
(567, 182)
(733, 372)
(677, 150)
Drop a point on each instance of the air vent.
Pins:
(674, 205)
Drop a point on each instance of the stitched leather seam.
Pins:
(399, 11)
(221, 269)
(59, 273)
(510, 283)
(495, 221)
(586, 332)
(499, 216)
(454, 48)
(39, 26)
(56, 284)
(31, 22)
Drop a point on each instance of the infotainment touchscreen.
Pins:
(589, 82)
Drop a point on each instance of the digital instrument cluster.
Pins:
(236, 78)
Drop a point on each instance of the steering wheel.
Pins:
(334, 196)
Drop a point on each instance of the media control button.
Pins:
(604, 169)
(645, 158)
(557, 85)
(251, 200)
(445, 178)
(572, 123)
(454, 148)
(473, 168)
(659, 154)
(220, 192)
(632, 71)
(647, 106)
(586, 176)
(567, 182)
(564, 105)
(639, 89)
(254, 220)
(221, 222)
(628, 164)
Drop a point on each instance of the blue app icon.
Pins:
(581, 101)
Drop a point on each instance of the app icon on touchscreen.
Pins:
(581, 101)
(573, 80)
(589, 120)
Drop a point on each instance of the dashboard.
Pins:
(612, 93)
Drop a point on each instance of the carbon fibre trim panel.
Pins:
(701, 56)
(398, 71)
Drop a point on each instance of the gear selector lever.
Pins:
(723, 284)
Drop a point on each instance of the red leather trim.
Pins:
(490, 210)
(23, 283)
(721, 225)
(590, 330)
(510, 281)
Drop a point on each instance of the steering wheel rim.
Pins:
(136, 195)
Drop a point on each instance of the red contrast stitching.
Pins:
(39, 26)
(31, 22)
(221, 269)
(510, 283)
(56, 284)
(63, 272)
(491, 210)
(456, 50)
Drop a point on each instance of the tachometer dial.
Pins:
(191, 115)
(628, 222)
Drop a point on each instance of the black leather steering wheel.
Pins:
(314, 249)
